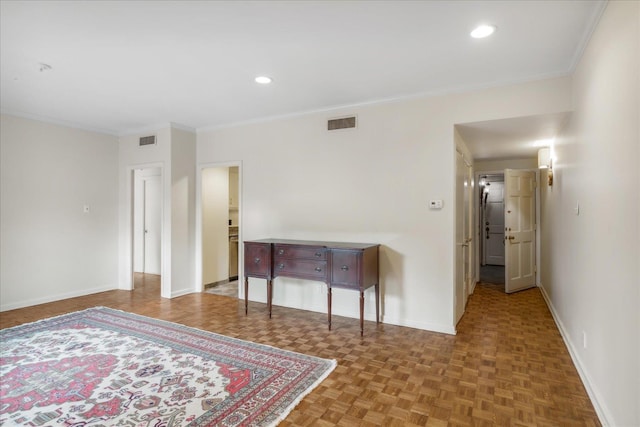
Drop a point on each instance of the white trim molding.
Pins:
(596, 397)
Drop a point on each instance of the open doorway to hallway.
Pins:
(491, 227)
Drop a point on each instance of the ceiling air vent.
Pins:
(147, 140)
(342, 123)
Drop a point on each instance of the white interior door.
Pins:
(519, 219)
(152, 230)
(468, 232)
(494, 224)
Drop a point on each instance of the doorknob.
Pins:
(511, 237)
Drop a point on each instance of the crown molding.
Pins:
(586, 37)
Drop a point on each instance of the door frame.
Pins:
(478, 225)
(128, 259)
(198, 285)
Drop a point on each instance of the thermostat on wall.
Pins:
(435, 204)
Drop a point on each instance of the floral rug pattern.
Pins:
(106, 367)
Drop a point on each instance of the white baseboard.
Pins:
(182, 292)
(431, 327)
(606, 419)
(56, 297)
(472, 287)
(369, 315)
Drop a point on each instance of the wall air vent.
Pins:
(341, 123)
(147, 140)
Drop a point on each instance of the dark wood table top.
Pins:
(335, 245)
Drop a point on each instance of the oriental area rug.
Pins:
(105, 367)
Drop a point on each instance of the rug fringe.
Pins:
(292, 406)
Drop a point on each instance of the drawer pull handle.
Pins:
(318, 254)
(280, 266)
(256, 260)
(318, 269)
(281, 251)
(344, 268)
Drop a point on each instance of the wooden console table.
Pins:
(339, 265)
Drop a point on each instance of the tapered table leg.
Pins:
(361, 312)
(269, 296)
(246, 295)
(377, 303)
(329, 305)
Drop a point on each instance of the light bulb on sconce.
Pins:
(545, 161)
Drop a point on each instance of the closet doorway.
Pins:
(147, 225)
(220, 231)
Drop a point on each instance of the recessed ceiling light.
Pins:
(482, 31)
(263, 80)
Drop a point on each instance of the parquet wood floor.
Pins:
(507, 365)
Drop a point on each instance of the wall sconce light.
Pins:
(545, 162)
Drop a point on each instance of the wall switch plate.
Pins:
(576, 209)
(435, 204)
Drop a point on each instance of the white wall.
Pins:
(371, 184)
(591, 260)
(215, 228)
(49, 248)
(183, 161)
(174, 154)
(130, 158)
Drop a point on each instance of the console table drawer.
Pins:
(300, 268)
(292, 251)
(257, 259)
(345, 267)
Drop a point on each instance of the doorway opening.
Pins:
(491, 227)
(147, 228)
(507, 228)
(220, 229)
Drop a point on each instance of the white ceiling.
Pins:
(512, 138)
(119, 67)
